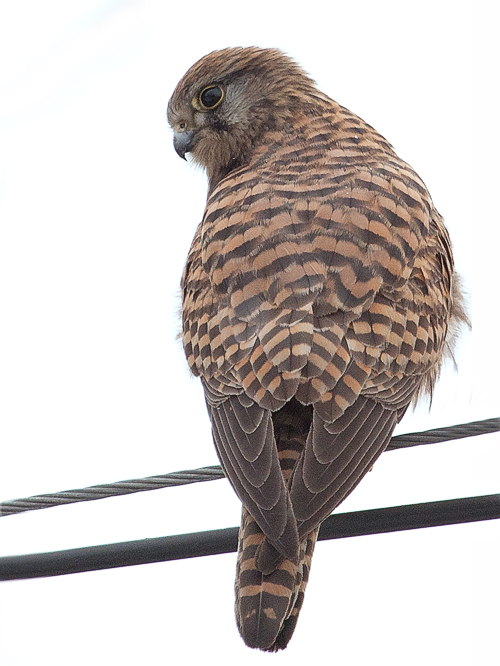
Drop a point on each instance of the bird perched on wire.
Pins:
(319, 299)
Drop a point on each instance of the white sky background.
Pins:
(97, 215)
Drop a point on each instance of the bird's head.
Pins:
(228, 100)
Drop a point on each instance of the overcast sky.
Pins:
(97, 215)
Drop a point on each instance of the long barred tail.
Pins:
(268, 606)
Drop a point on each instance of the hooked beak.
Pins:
(183, 142)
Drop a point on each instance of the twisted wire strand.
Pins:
(215, 472)
(111, 490)
(445, 434)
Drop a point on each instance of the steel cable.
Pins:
(214, 472)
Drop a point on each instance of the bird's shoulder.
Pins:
(374, 214)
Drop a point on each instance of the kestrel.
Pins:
(319, 299)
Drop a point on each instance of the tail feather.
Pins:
(267, 606)
(289, 624)
(270, 589)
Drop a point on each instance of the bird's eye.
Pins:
(210, 97)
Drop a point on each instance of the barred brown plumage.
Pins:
(319, 298)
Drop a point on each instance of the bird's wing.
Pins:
(336, 459)
(244, 439)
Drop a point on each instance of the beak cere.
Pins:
(183, 142)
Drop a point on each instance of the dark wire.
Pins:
(199, 544)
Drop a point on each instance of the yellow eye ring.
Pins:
(209, 98)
